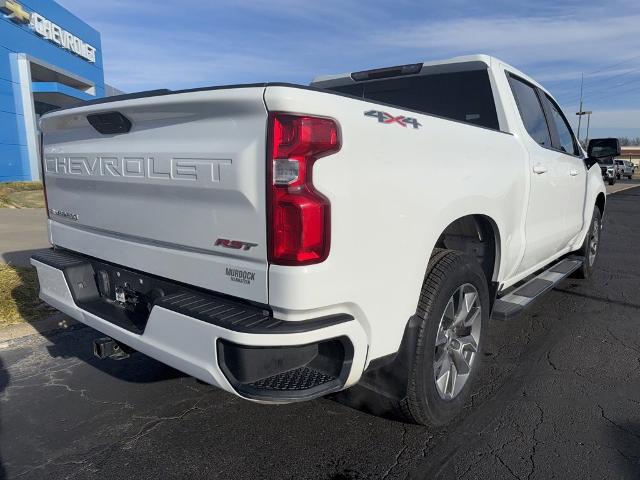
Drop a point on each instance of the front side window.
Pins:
(565, 135)
(531, 111)
(619, 162)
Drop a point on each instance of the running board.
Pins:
(514, 302)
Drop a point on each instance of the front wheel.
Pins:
(612, 180)
(454, 312)
(590, 246)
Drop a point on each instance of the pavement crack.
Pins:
(633, 348)
(148, 427)
(550, 362)
(396, 460)
(535, 442)
(513, 474)
(618, 426)
(54, 382)
(155, 422)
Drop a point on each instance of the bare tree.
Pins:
(626, 141)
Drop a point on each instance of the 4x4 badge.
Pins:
(384, 117)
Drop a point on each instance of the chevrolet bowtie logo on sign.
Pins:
(14, 11)
(47, 29)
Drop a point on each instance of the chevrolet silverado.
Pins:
(285, 242)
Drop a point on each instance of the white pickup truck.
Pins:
(284, 242)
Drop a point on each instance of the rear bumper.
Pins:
(241, 348)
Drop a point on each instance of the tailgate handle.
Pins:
(109, 122)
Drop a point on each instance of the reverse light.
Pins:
(299, 215)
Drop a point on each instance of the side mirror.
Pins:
(603, 147)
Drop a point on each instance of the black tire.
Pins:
(618, 176)
(586, 271)
(447, 271)
(612, 181)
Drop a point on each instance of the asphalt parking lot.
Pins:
(559, 398)
(21, 231)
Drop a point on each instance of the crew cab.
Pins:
(284, 242)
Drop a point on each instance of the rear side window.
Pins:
(531, 111)
(463, 96)
(565, 135)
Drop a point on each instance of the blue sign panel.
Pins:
(48, 58)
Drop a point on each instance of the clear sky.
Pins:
(158, 44)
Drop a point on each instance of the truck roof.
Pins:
(454, 64)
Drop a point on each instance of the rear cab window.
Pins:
(531, 111)
(464, 96)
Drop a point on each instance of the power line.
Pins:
(613, 65)
(614, 88)
(606, 79)
(613, 94)
(590, 95)
(604, 91)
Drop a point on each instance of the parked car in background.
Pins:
(609, 169)
(625, 169)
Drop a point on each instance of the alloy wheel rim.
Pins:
(457, 339)
(593, 242)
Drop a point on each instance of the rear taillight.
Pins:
(299, 215)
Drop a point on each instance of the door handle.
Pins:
(539, 168)
(573, 172)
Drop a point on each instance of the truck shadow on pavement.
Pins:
(535, 400)
(59, 346)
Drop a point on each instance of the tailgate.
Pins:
(180, 195)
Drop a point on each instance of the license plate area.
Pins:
(126, 297)
(118, 295)
(123, 297)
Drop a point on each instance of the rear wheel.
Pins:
(454, 310)
(612, 180)
(591, 246)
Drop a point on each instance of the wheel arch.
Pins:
(477, 235)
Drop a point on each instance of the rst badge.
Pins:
(384, 117)
(234, 244)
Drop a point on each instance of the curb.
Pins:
(55, 322)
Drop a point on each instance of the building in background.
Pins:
(631, 153)
(48, 59)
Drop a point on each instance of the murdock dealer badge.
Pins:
(238, 275)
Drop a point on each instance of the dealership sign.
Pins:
(48, 30)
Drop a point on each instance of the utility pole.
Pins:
(580, 113)
(588, 114)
